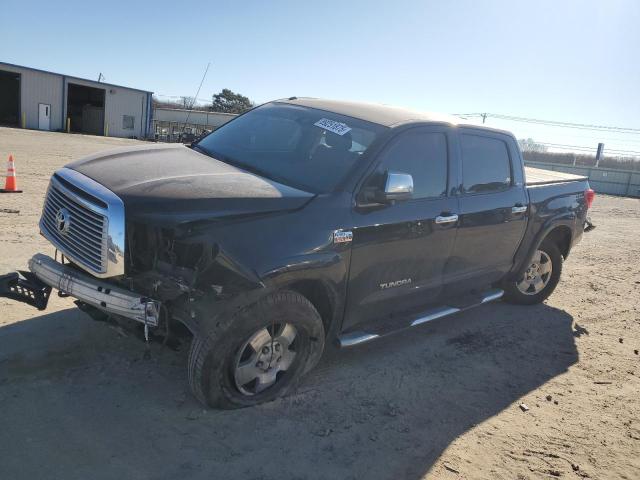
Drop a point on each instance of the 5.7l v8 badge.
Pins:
(342, 236)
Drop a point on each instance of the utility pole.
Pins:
(599, 154)
(484, 117)
(100, 77)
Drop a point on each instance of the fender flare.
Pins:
(565, 219)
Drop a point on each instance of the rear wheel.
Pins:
(260, 355)
(539, 279)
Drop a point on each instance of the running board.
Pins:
(356, 338)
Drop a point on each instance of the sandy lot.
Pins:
(78, 401)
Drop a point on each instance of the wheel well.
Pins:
(561, 236)
(318, 294)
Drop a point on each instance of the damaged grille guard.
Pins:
(95, 292)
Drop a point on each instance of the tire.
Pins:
(515, 294)
(221, 361)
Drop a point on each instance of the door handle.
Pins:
(519, 209)
(446, 219)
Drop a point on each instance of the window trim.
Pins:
(425, 128)
(462, 192)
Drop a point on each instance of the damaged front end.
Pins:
(154, 264)
(25, 287)
(169, 275)
(92, 295)
(181, 269)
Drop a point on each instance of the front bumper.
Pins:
(95, 292)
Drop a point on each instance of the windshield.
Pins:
(302, 147)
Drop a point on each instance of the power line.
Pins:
(588, 149)
(553, 123)
(613, 137)
(179, 97)
(573, 147)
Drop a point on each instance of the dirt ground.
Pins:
(78, 401)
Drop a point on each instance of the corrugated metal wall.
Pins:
(38, 87)
(122, 102)
(51, 89)
(602, 180)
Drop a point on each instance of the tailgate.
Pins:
(538, 176)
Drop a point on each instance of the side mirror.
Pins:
(398, 186)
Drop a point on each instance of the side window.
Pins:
(485, 164)
(128, 122)
(423, 155)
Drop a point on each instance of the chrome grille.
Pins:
(85, 221)
(82, 237)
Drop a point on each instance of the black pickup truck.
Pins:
(301, 222)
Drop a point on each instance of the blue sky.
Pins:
(574, 60)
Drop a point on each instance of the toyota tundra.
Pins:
(301, 223)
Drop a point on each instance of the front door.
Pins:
(44, 116)
(399, 251)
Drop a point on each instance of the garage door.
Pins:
(9, 98)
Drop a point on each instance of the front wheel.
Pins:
(539, 279)
(260, 355)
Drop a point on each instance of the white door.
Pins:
(44, 116)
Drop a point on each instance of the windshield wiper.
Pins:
(237, 164)
(195, 146)
(215, 155)
(252, 169)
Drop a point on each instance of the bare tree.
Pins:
(187, 102)
(530, 145)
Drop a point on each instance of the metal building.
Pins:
(37, 99)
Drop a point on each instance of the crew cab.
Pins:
(299, 223)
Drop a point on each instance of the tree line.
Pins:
(227, 101)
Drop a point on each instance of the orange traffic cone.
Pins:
(10, 185)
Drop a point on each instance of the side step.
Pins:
(355, 338)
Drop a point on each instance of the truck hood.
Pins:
(172, 184)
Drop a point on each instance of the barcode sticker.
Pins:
(332, 126)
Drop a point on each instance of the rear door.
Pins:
(493, 209)
(399, 251)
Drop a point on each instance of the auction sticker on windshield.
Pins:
(332, 126)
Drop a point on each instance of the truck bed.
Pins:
(538, 176)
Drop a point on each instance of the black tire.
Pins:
(212, 358)
(512, 293)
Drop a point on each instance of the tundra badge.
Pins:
(397, 283)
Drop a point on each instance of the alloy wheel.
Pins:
(264, 358)
(537, 275)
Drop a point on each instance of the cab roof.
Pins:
(386, 115)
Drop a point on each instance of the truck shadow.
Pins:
(79, 401)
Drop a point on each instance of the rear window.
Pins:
(485, 164)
